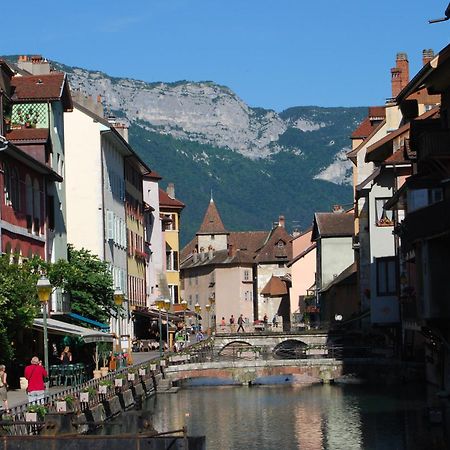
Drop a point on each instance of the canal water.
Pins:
(306, 417)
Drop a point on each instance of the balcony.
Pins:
(434, 145)
(427, 222)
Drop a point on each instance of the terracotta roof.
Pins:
(48, 87)
(332, 225)
(277, 248)
(249, 241)
(153, 175)
(23, 135)
(275, 287)
(212, 222)
(398, 157)
(377, 112)
(375, 115)
(169, 202)
(217, 258)
(363, 130)
(354, 152)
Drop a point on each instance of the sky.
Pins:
(273, 53)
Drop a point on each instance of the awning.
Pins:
(102, 326)
(63, 328)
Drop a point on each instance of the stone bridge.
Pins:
(245, 372)
(269, 341)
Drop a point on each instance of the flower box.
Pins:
(131, 376)
(31, 417)
(152, 367)
(61, 406)
(118, 382)
(102, 389)
(162, 363)
(84, 397)
(142, 372)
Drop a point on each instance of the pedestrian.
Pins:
(66, 356)
(241, 324)
(35, 375)
(3, 387)
(232, 323)
(275, 321)
(265, 320)
(223, 324)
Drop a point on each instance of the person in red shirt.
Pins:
(35, 375)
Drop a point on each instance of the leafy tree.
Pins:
(88, 281)
(19, 303)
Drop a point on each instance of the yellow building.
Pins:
(170, 210)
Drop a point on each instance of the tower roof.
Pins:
(212, 223)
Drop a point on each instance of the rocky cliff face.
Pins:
(204, 111)
(259, 163)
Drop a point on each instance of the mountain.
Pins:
(257, 163)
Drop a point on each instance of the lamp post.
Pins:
(118, 300)
(44, 290)
(212, 302)
(184, 306)
(159, 302)
(198, 309)
(208, 308)
(167, 307)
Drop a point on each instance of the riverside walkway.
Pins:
(18, 397)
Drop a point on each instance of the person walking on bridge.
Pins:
(241, 324)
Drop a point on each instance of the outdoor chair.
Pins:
(69, 374)
(55, 375)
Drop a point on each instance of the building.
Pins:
(237, 270)
(103, 212)
(332, 233)
(170, 211)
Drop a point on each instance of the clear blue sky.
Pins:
(272, 53)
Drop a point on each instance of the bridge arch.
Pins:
(238, 349)
(290, 349)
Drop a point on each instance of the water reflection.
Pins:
(294, 417)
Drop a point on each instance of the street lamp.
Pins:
(184, 305)
(208, 308)
(159, 302)
(118, 300)
(198, 309)
(212, 302)
(167, 307)
(44, 290)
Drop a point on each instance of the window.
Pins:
(386, 277)
(421, 198)
(246, 275)
(384, 218)
(171, 260)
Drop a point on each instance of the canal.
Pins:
(306, 417)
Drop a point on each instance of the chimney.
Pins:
(281, 221)
(400, 74)
(36, 65)
(427, 56)
(170, 190)
(337, 209)
(296, 233)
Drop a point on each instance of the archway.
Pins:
(290, 349)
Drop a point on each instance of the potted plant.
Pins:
(35, 412)
(118, 381)
(142, 371)
(87, 393)
(103, 386)
(104, 349)
(153, 367)
(96, 358)
(131, 375)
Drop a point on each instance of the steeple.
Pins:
(212, 222)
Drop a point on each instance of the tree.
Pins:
(19, 303)
(88, 281)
